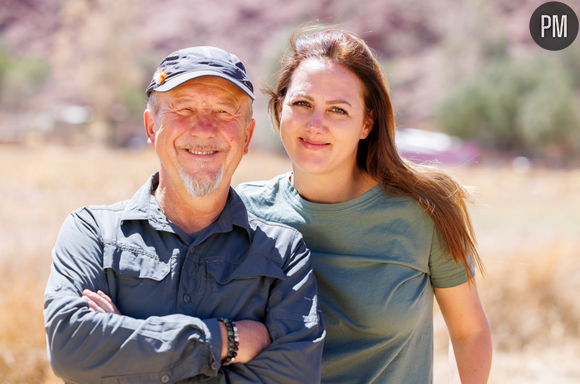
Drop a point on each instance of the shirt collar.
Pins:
(143, 206)
(138, 207)
(234, 213)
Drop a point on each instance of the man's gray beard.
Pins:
(204, 187)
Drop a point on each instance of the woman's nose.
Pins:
(316, 123)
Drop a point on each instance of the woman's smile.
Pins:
(314, 144)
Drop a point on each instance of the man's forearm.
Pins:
(254, 344)
(88, 346)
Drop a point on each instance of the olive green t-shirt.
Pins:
(376, 259)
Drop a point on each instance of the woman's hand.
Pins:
(99, 302)
(469, 331)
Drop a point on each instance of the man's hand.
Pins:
(99, 302)
(254, 338)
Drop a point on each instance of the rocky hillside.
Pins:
(101, 53)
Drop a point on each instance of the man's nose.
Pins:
(204, 126)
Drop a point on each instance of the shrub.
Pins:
(525, 106)
(20, 80)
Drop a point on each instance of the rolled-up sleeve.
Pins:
(91, 347)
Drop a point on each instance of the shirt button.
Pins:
(164, 379)
(191, 250)
(186, 298)
(58, 287)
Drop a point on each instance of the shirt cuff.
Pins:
(215, 341)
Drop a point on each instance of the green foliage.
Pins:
(4, 64)
(134, 99)
(570, 58)
(20, 80)
(514, 105)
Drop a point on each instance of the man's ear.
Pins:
(249, 134)
(368, 123)
(149, 120)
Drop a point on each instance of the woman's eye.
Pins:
(301, 103)
(338, 110)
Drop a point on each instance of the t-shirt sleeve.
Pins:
(443, 270)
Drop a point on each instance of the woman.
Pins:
(385, 234)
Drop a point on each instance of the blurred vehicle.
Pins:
(421, 146)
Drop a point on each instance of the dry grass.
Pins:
(527, 225)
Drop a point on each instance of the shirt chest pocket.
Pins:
(136, 280)
(246, 285)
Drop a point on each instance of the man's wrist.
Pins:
(232, 340)
(224, 337)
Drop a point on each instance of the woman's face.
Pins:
(322, 118)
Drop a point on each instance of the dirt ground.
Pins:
(528, 229)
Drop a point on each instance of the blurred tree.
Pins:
(527, 106)
(20, 80)
(570, 58)
(4, 63)
(95, 58)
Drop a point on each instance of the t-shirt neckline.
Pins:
(300, 203)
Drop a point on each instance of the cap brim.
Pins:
(178, 80)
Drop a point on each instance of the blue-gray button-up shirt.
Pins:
(171, 287)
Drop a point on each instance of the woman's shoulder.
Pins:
(262, 192)
(395, 205)
(261, 186)
(393, 197)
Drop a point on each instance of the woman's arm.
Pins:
(469, 331)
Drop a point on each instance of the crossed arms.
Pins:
(253, 335)
(94, 347)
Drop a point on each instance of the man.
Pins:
(147, 290)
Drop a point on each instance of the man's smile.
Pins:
(201, 152)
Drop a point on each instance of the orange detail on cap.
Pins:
(159, 77)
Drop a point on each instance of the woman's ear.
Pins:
(368, 123)
(278, 107)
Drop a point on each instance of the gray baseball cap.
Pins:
(190, 63)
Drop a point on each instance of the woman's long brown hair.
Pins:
(440, 195)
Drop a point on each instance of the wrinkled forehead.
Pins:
(208, 87)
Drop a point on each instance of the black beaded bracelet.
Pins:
(233, 341)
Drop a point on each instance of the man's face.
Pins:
(201, 129)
